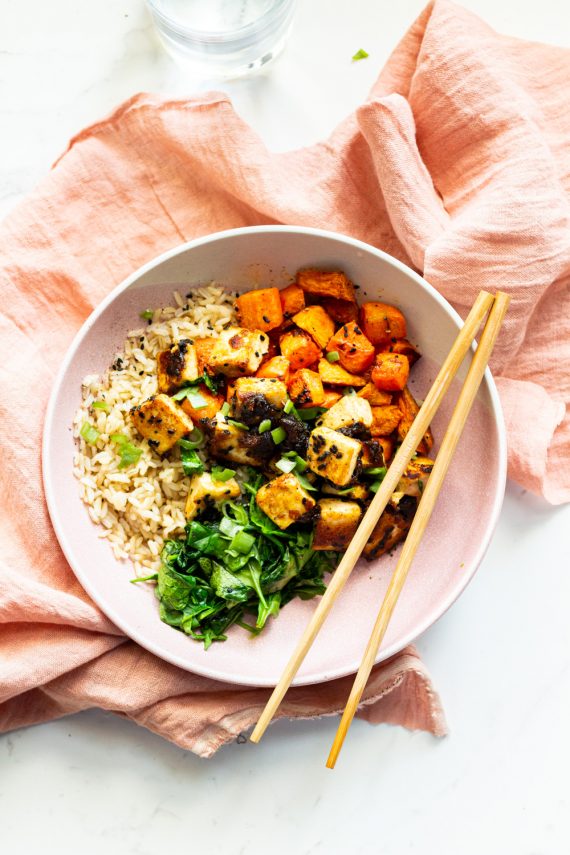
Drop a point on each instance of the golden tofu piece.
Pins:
(257, 397)
(415, 477)
(204, 491)
(336, 524)
(359, 492)
(392, 527)
(350, 410)
(161, 421)
(238, 351)
(177, 366)
(333, 455)
(284, 500)
(225, 443)
(372, 454)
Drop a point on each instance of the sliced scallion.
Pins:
(376, 470)
(220, 473)
(300, 464)
(101, 405)
(89, 433)
(278, 435)
(264, 426)
(238, 425)
(286, 465)
(289, 406)
(225, 409)
(304, 482)
(194, 440)
(242, 542)
(333, 356)
(197, 401)
(147, 315)
(307, 414)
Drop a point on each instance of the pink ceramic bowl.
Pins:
(456, 538)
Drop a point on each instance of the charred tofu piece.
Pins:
(349, 410)
(161, 421)
(409, 409)
(284, 500)
(204, 491)
(392, 527)
(257, 398)
(177, 366)
(372, 454)
(359, 492)
(227, 442)
(333, 455)
(237, 352)
(336, 523)
(306, 388)
(415, 477)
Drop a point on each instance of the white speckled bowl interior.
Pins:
(458, 533)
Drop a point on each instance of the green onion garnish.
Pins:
(304, 482)
(225, 408)
(220, 473)
(300, 464)
(307, 414)
(333, 356)
(194, 440)
(101, 405)
(285, 465)
(376, 470)
(374, 487)
(128, 452)
(278, 435)
(197, 401)
(229, 527)
(289, 406)
(242, 542)
(360, 54)
(265, 425)
(238, 425)
(147, 315)
(191, 463)
(89, 433)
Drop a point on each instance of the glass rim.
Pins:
(216, 35)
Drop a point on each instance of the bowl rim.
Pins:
(59, 528)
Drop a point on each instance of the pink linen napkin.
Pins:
(458, 164)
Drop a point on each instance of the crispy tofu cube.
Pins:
(238, 351)
(161, 421)
(392, 527)
(225, 443)
(284, 500)
(372, 454)
(204, 491)
(336, 523)
(359, 492)
(257, 398)
(415, 477)
(349, 410)
(177, 366)
(333, 455)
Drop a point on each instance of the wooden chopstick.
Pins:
(406, 451)
(423, 514)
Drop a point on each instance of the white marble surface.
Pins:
(501, 657)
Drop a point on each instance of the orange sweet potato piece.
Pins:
(341, 311)
(387, 446)
(374, 396)
(382, 323)
(276, 368)
(292, 301)
(299, 348)
(402, 345)
(317, 323)
(335, 375)
(204, 347)
(409, 409)
(385, 420)
(260, 309)
(356, 352)
(391, 371)
(230, 390)
(326, 284)
(214, 403)
(306, 388)
(331, 397)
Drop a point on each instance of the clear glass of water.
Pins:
(223, 38)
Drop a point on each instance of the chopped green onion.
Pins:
(304, 482)
(128, 452)
(119, 438)
(187, 392)
(101, 405)
(307, 414)
(147, 315)
(333, 356)
(220, 473)
(375, 486)
(89, 433)
(286, 465)
(197, 401)
(194, 440)
(242, 542)
(225, 408)
(278, 435)
(238, 425)
(360, 54)
(300, 464)
(376, 470)
(265, 425)
(289, 406)
(229, 527)
(191, 463)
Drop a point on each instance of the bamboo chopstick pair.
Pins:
(485, 303)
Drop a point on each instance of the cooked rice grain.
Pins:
(140, 507)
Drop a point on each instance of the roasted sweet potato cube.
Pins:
(382, 323)
(292, 301)
(335, 375)
(306, 388)
(392, 527)
(402, 345)
(326, 284)
(375, 397)
(391, 371)
(257, 398)
(284, 500)
(299, 348)
(385, 420)
(204, 347)
(260, 309)
(341, 311)
(330, 397)
(387, 445)
(161, 421)
(336, 524)
(277, 368)
(176, 366)
(409, 409)
(209, 406)
(355, 351)
(317, 323)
